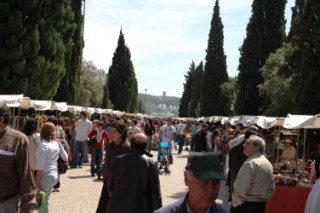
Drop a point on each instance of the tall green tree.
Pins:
(73, 39)
(32, 51)
(215, 69)
(265, 34)
(122, 83)
(196, 90)
(297, 12)
(306, 60)
(187, 92)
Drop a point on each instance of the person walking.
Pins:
(202, 177)
(254, 184)
(149, 130)
(48, 152)
(118, 146)
(83, 128)
(101, 137)
(17, 186)
(134, 184)
(30, 129)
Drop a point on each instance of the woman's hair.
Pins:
(30, 126)
(216, 133)
(121, 127)
(53, 120)
(48, 131)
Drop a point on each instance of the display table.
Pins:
(288, 199)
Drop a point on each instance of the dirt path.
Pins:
(80, 192)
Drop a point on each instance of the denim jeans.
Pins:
(77, 145)
(48, 180)
(96, 158)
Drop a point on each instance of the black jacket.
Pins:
(133, 184)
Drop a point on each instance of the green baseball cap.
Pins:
(205, 166)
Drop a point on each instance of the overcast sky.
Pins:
(164, 36)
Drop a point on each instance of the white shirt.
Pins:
(209, 137)
(48, 154)
(83, 129)
(181, 129)
(167, 132)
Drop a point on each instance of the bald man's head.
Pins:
(139, 141)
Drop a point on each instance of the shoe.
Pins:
(56, 190)
(80, 166)
(92, 174)
(73, 167)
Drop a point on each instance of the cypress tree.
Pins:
(215, 70)
(20, 64)
(32, 48)
(196, 90)
(187, 92)
(122, 83)
(297, 12)
(73, 39)
(306, 62)
(265, 34)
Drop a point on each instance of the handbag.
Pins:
(91, 142)
(62, 166)
(41, 198)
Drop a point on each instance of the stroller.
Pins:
(163, 156)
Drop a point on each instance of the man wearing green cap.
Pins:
(202, 176)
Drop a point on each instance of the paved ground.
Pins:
(80, 192)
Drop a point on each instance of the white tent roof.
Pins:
(11, 100)
(298, 121)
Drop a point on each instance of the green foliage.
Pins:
(73, 39)
(142, 107)
(305, 61)
(92, 80)
(265, 34)
(122, 83)
(228, 91)
(215, 70)
(187, 92)
(106, 103)
(279, 97)
(32, 46)
(196, 90)
(297, 12)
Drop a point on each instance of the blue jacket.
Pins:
(180, 206)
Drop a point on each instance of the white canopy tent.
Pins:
(11, 100)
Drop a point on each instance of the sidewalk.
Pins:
(80, 192)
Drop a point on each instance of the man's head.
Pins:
(139, 141)
(254, 144)
(202, 176)
(252, 130)
(169, 121)
(83, 115)
(4, 114)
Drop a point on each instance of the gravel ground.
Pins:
(80, 192)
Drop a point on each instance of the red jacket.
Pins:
(105, 137)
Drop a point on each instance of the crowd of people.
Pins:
(118, 150)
